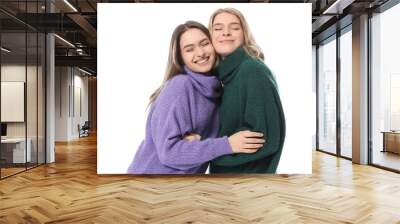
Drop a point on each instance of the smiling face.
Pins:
(227, 33)
(197, 51)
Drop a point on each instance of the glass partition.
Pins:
(22, 77)
(13, 103)
(327, 96)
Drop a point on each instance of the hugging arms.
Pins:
(190, 103)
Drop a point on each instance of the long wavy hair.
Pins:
(175, 62)
(249, 45)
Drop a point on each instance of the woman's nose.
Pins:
(226, 32)
(199, 52)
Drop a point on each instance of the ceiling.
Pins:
(76, 22)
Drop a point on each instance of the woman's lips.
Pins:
(202, 61)
(224, 41)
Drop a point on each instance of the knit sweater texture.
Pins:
(188, 103)
(250, 101)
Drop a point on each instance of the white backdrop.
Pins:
(133, 42)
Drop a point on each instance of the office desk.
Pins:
(391, 141)
(16, 148)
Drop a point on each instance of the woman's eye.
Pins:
(189, 50)
(205, 44)
(217, 29)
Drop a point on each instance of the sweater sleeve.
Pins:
(262, 112)
(170, 122)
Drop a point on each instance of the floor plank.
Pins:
(70, 191)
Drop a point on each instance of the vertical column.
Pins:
(314, 90)
(360, 90)
(50, 92)
(338, 98)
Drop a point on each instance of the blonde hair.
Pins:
(175, 62)
(249, 45)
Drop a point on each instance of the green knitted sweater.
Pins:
(250, 101)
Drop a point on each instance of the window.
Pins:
(327, 96)
(385, 88)
(346, 93)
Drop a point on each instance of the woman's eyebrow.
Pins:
(203, 40)
(234, 23)
(221, 24)
(188, 45)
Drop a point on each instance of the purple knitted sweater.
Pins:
(187, 104)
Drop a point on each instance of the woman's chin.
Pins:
(225, 52)
(202, 69)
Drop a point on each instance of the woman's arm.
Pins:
(171, 120)
(262, 113)
(240, 142)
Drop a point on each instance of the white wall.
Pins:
(61, 103)
(82, 83)
(68, 83)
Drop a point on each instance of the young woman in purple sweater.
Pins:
(185, 103)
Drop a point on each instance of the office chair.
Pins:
(84, 130)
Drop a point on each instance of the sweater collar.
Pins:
(207, 84)
(230, 63)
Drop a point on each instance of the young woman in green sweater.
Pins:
(250, 99)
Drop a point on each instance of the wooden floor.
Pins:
(70, 191)
(10, 171)
(387, 159)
